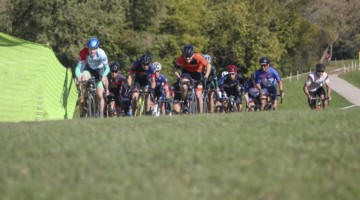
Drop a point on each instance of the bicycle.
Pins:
(157, 107)
(231, 104)
(268, 101)
(317, 103)
(190, 106)
(140, 103)
(90, 108)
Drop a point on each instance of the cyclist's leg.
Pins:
(135, 96)
(273, 97)
(84, 77)
(211, 103)
(312, 102)
(264, 98)
(321, 93)
(184, 85)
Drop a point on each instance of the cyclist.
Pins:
(267, 79)
(314, 86)
(211, 84)
(175, 92)
(162, 87)
(141, 72)
(117, 83)
(96, 65)
(251, 94)
(232, 85)
(191, 65)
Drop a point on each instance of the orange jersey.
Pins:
(196, 64)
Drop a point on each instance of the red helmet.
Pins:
(232, 68)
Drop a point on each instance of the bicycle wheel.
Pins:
(193, 105)
(92, 111)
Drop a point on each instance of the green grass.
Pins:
(352, 77)
(293, 153)
(274, 155)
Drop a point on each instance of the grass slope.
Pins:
(275, 155)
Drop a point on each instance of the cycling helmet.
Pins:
(115, 67)
(145, 59)
(224, 73)
(157, 66)
(320, 67)
(93, 43)
(264, 61)
(232, 68)
(207, 57)
(188, 50)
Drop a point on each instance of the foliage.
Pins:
(291, 32)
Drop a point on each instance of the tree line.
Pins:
(293, 33)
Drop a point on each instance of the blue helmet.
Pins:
(93, 43)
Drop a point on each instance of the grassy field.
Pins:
(352, 77)
(293, 153)
(274, 155)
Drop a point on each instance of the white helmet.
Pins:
(224, 73)
(157, 66)
(207, 57)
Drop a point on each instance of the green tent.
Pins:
(34, 85)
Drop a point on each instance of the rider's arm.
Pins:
(208, 70)
(78, 69)
(129, 79)
(215, 80)
(176, 70)
(107, 69)
(328, 87)
(305, 88)
(259, 87)
(166, 87)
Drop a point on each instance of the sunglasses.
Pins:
(232, 73)
(114, 71)
(320, 71)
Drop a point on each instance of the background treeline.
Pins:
(293, 33)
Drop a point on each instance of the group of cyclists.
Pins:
(195, 73)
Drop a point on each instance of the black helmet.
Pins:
(145, 59)
(264, 61)
(115, 67)
(188, 50)
(320, 67)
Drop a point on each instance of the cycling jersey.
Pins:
(96, 62)
(116, 83)
(267, 79)
(141, 73)
(315, 82)
(161, 82)
(212, 79)
(226, 82)
(195, 65)
(251, 89)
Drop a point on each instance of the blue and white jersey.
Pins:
(267, 79)
(98, 61)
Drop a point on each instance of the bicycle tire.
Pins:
(91, 106)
